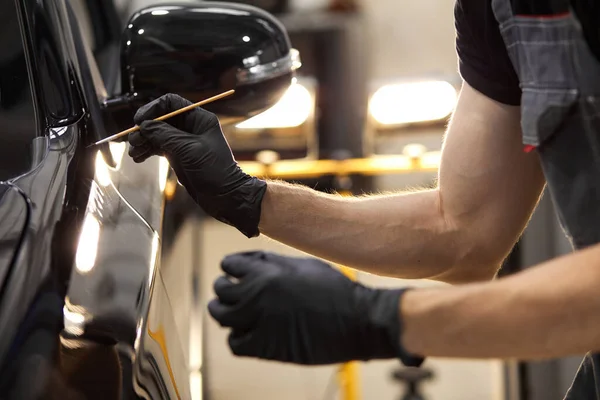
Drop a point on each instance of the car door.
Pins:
(81, 310)
(116, 290)
(35, 150)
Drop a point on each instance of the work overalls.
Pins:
(560, 119)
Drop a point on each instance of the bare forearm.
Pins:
(402, 235)
(549, 311)
(460, 232)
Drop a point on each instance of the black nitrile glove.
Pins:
(194, 145)
(303, 311)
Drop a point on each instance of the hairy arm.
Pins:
(551, 310)
(458, 232)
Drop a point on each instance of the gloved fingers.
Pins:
(140, 154)
(237, 317)
(149, 139)
(227, 291)
(249, 343)
(241, 264)
(204, 120)
(137, 139)
(222, 313)
(161, 139)
(163, 105)
(241, 343)
(155, 135)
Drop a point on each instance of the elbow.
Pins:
(480, 261)
(461, 275)
(475, 266)
(478, 253)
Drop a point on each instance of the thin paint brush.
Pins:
(166, 116)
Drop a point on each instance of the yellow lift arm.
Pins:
(376, 165)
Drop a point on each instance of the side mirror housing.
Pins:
(200, 49)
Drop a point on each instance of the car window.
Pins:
(18, 126)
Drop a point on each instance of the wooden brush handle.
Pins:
(166, 116)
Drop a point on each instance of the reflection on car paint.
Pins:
(84, 309)
(110, 287)
(118, 250)
(30, 289)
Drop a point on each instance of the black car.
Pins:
(84, 310)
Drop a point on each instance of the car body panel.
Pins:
(85, 308)
(15, 212)
(32, 285)
(115, 290)
(76, 299)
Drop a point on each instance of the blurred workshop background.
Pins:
(378, 81)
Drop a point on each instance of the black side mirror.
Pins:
(200, 49)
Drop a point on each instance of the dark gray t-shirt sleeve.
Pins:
(483, 61)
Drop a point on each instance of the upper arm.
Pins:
(488, 185)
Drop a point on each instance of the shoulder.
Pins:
(484, 62)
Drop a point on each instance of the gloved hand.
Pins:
(303, 311)
(194, 145)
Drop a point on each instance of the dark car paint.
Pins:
(15, 213)
(67, 333)
(205, 48)
(85, 312)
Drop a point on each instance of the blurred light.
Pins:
(70, 343)
(72, 316)
(390, 162)
(251, 61)
(73, 321)
(87, 248)
(140, 31)
(130, 26)
(138, 334)
(195, 342)
(414, 150)
(431, 159)
(246, 39)
(160, 12)
(154, 255)
(129, 43)
(117, 149)
(296, 60)
(406, 103)
(218, 10)
(170, 189)
(102, 174)
(196, 385)
(267, 157)
(292, 110)
(95, 201)
(163, 172)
